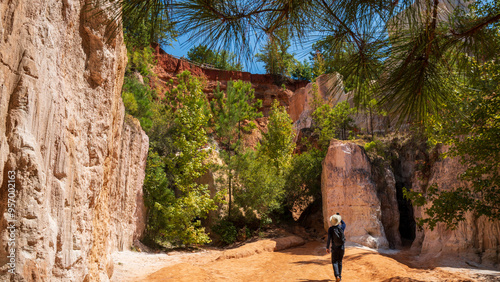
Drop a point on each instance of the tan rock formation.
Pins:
(78, 163)
(331, 90)
(347, 188)
(475, 239)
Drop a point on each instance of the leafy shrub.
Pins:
(303, 180)
(138, 100)
(372, 146)
(141, 61)
(130, 103)
(226, 230)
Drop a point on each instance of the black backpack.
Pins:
(338, 236)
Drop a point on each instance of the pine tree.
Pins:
(278, 143)
(230, 109)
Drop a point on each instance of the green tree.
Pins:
(303, 180)
(333, 122)
(230, 109)
(278, 142)
(275, 56)
(261, 173)
(137, 99)
(302, 71)
(223, 60)
(175, 201)
(471, 127)
(261, 187)
(319, 65)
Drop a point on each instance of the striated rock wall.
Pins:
(366, 196)
(348, 188)
(265, 86)
(331, 89)
(78, 162)
(475, 239)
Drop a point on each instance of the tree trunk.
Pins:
(371, 122)
(229, 191)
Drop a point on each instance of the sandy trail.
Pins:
(305, 263)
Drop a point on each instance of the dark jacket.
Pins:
(330, 233)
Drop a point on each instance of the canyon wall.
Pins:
(265, 86)
(476, 239)
(75, 161)
(365, 194)
(330, 88)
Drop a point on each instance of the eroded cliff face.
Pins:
(330, 88)
(78, 162)
(476, 239)
(265, 85)
(368, 197)
(348, 188)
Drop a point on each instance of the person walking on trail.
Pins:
(337, 239)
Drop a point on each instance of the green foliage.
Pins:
(373, 146)
(223, 60)
(138, 99)
(144, 24)
(277, 143)
(333, 122)
(261, 185)
(355, 71)
(129, 102)
(319, 65)
(141, 61)
(229, 111)
(379, 152)
(175, 201)
(303, 180)
(274, 54)
(302, 71)
(226, 230)
(471, 127)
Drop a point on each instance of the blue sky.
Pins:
(301, 53)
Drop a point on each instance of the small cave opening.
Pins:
(407, 224)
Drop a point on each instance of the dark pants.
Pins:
(337, 256)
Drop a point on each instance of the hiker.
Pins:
(337, 238)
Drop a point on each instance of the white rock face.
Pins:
(347, 188)
(79, 164)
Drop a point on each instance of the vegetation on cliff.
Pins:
(471, 127)
(406, 59)
(223, 60)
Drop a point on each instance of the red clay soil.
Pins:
(305, 263)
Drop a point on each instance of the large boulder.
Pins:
(78, 162)
(347, 187)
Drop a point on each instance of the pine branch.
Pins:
(477, 27)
